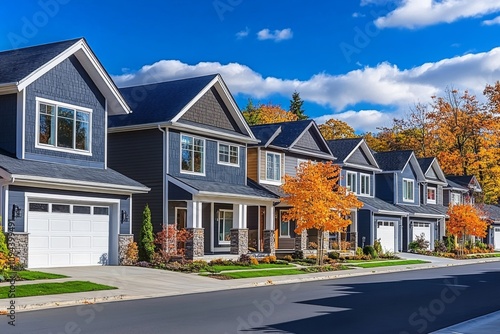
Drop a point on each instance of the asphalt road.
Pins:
(419, 301)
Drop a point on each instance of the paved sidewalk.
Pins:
(487, 324)
(140, 283)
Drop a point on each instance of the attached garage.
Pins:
(496, 238)
(386, 234)
(419, 228)
(67, 234)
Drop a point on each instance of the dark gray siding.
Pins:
(358, 157)
(206, 213)
(16, 196)
(384, 186)
(213, 170)
(139, 155)
(125, 207)
(364, 227)
(309, 141)
(211, 110)
(8, 116)
(67, 83)
(408, 173)
(176, 193)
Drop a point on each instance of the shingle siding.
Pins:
(252, 164)
(67, 83)
(8, 123)
(308, 142)
(358, 157)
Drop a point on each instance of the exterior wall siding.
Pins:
(384, 186)
(308, 141)
(139, 155)
(67, 83)
(263, 154)
(358, 172)
(8, 125)
(358, 157)
(252, 164)
(408, 173)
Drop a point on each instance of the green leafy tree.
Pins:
(146, 239)
(251, 113)
(296, 106)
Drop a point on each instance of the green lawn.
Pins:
(371, 260)
(264, 273)
(42, 289)
(388, 263)
(219, 268)
(34, 275)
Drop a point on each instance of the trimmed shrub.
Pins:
(419, 243)
(333, 255)
(146, 239)
(370, 250)
(359, 251)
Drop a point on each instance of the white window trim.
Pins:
(452, 202)
(271, 181)
(413, 192)
(369, 186)
(355, 191)
(228, 163)
(55, 148)
(204, 155)
(281, 221)
(431, 201)
(299, 161)
(223, 242)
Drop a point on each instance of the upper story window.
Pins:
(63, 127)
(431, 195)
(229, 154)
(351, 181)
(455, 198)
(364, 184)
(408, 190)
(193, 154)
(273, 166)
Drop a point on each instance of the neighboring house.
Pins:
(68, 207)
(493, 216)
(283, 146)
(461, 189)
(187, 140)
(358, 168)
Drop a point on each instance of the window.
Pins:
(39, 207)
(63, 127)
(408, 189)
(101, 210)
(455, 198)
(364, 184)
(180, 218)
(284, 226)
(193, 154)
(229, 154)
(225, 225)
(351, 182)
(431, 195)
(61, 208)
(273, 166)
(84, 210)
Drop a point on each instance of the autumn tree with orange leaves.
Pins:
(267, 113)
(465, 220)
(318, 201)
(336, 129)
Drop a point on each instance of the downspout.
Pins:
(164, 176)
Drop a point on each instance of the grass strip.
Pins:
(43, 289)
(219, 268)
(263, 273)
(27, 275)
(388, 263)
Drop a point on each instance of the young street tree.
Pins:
(296, 106)
(465, 220)
(318, 201)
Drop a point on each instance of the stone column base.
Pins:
(123, 241)
(17, 242)
(301, 241)
(239, 241)
(195, 246)
(326, 242)
(269, 242)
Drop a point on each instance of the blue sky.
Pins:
(361, 61)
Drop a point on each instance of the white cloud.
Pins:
(361, 120)
(243, 33)
(357, 14)
(494, 21)
(420, 13)
(384, 86)
(276, 35)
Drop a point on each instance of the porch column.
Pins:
(269, 242)
(194, 245)
(353, 235)
(239, 232)
(301, 241)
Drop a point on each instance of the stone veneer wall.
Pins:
(239, 241)
(301, 241)
(195, 245)
(269, 242)
(123, 242)
(17, 243)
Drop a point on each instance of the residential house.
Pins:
(66, 207)
(282, 147)
(493, 217)
(358, 168)
(461, 189)
(187, 140)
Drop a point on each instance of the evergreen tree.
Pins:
(146, 239)
(251, 113)
(296, 106)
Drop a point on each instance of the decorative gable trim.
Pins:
(366, 150)
(321, 142)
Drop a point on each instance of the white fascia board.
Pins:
(138, 127)
(312, 154)
(384, 212)
(428, 215)
(374, 169)
(8, 88)
(55, 183)
(216, 134)
(245, 198)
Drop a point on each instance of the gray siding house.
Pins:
(66, 207)
(187, 141)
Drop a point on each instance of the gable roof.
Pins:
(21, 67)
(393, 160)
(426, 165)
(455, 186)
(285, 135)
(492, 211)
(164, 103)
(343, 149)
(465, 181)
(66, 176)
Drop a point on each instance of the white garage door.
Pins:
(62, 235)
(419, 228)
(497, 238)
(385, 232)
